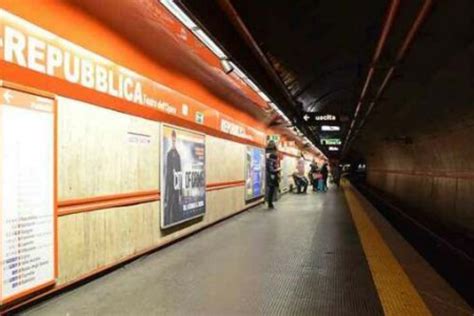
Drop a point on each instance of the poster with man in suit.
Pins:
(183, 176)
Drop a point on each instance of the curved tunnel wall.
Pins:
(426, 162)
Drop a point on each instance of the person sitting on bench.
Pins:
(301, 183)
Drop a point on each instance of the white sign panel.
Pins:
(138, 139)
(330, 128)
(26, 193)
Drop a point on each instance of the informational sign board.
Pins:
(27, 193)
(317, 117)
(331, 141)
(254, 173)
(330, 128)
(183, 176)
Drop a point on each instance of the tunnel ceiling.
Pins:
(426, 96)
(322, 51)
(319, 48)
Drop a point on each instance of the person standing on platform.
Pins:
(325, 173)
(272, 178)
(312, 175)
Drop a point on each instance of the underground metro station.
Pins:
(236, 157)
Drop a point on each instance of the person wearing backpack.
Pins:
(272, 177)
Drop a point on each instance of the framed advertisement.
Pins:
(183, 175)
(28, 191)
(254, 173)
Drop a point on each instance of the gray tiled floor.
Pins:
(303, 258)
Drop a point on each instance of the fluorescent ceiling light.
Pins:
(179, 14)
(251, 84)
(264, 96)
(209, 43)
(238, 71)
(285, 117)
(188, 22)
(330, 128)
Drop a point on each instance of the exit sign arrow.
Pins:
(316, 117)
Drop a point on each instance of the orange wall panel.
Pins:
(70, 22)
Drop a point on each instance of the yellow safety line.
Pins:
(397, 294)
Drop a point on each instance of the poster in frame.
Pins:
(254, 173)
(183, 175)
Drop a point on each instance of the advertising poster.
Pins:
(27, 202)
(255, 173)
(183, 178)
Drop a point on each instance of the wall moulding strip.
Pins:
(95, 206)
(74, 206)
(106, 198)
(223, 184)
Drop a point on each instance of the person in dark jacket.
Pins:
(325, 173)
(312, 175)
(272, 178)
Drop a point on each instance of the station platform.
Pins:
(315, 254)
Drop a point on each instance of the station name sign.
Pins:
(44, 53)
(29, 46)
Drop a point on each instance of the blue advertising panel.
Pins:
(255, 173)
(183, 179)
